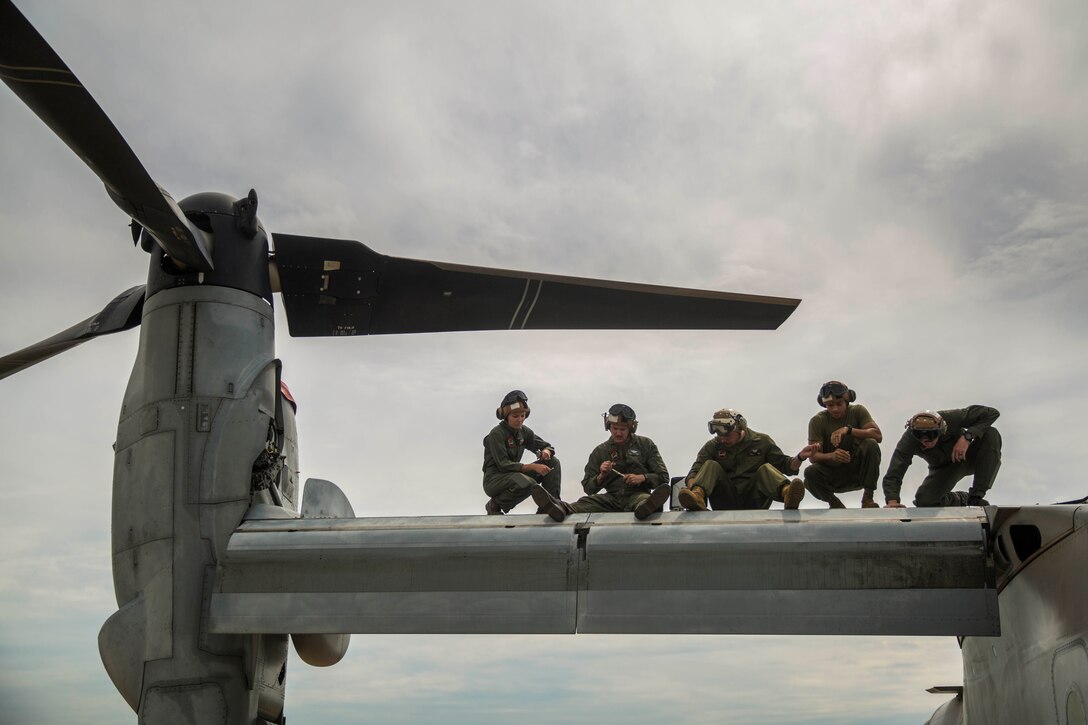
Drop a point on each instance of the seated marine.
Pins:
(627, 466)
(506, 479)
(740, 468)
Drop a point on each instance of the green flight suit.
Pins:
(983, 458)
(503, 479)
(824, 480)
(638, 455)
(747, 476)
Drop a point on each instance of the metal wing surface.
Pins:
(872, 572)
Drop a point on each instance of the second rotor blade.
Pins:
(34, 71)
(122, 313)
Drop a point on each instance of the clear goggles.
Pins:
(722, 426)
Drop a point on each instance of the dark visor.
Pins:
(833, 388)
(513, 396)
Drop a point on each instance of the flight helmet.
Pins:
(725, 421)
(926, 425)
(835, 389)
(620, 413)
(514, 400)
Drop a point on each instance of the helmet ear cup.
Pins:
(506, 410)
(853, 396)
(820, 400)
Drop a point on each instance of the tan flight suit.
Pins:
(747, 476)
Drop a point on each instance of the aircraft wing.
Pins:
(882, 572)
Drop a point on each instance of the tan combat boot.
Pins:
(792, 493)
(867, 501)
(835, 502)
(693, 498)
(654, 501)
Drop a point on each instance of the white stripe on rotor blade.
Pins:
(539, 286)
(524, 294)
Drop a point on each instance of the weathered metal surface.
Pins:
(914, 571)
(1037, 670)
(196, 415)
(426, 575)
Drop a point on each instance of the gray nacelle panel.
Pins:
(773, 572)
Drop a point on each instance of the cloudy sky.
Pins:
(914, 171)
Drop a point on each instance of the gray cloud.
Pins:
(914, 172)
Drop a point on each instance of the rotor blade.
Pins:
(122, 313)
(41, 79)
(336, 287)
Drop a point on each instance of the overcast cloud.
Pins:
(916, 172)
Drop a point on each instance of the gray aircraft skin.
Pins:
(1037, 669)
(215, 543)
